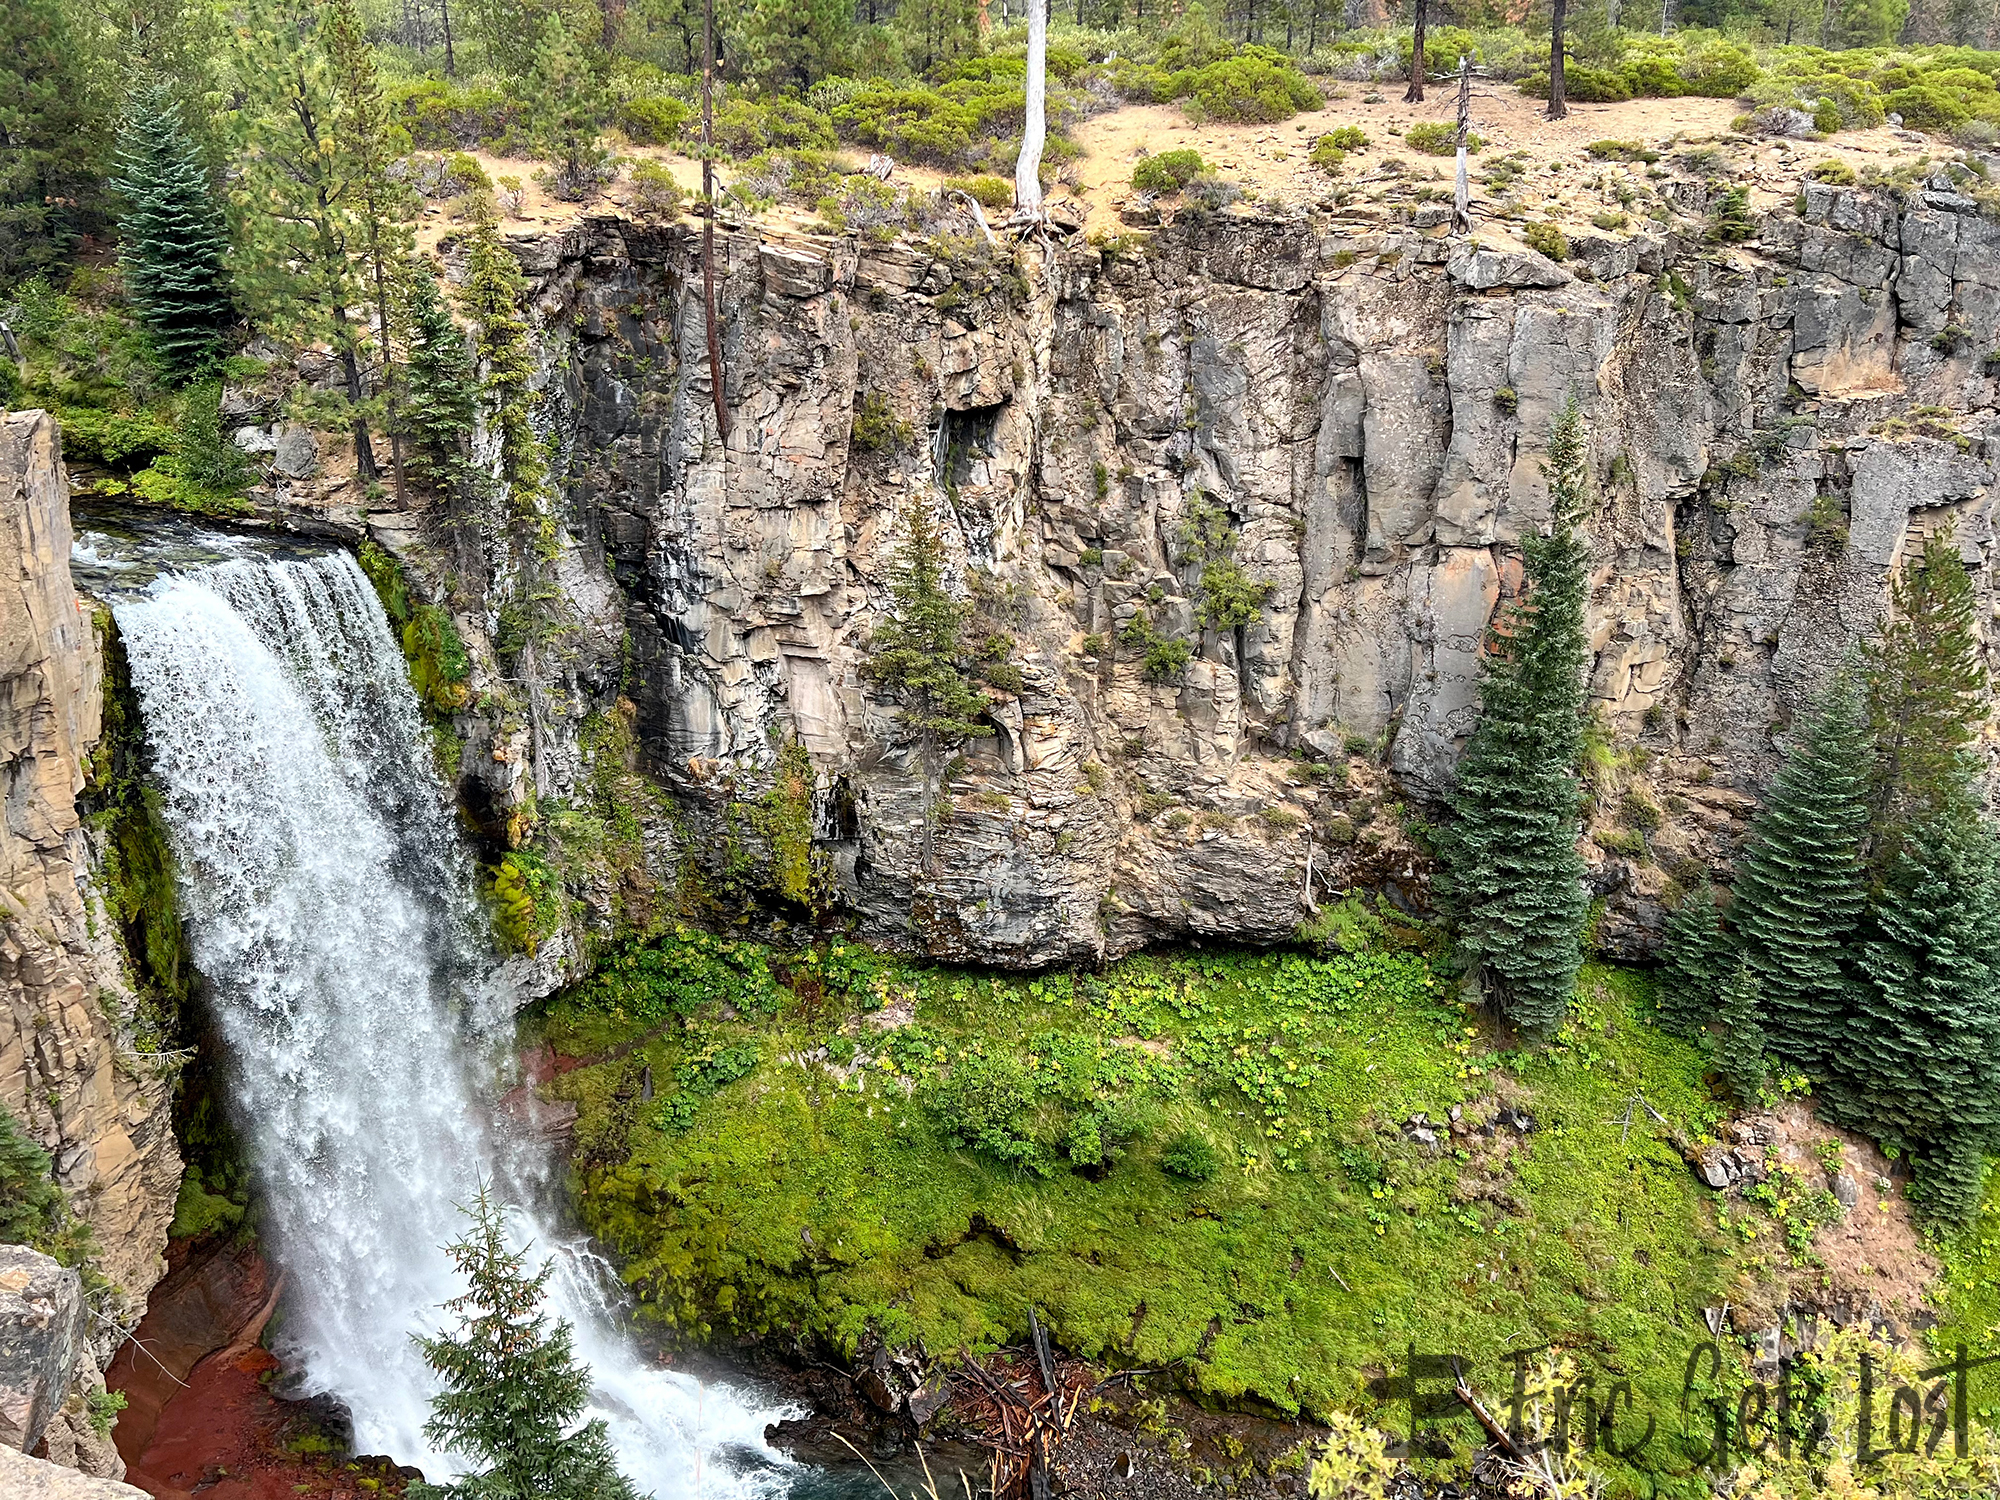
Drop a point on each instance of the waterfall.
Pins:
(328, 900)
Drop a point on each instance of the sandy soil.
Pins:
(1561, 182)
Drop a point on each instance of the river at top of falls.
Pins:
(329, 904)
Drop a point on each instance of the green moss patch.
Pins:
(1211, 1162)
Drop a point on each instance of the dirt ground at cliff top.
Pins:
(1271, 160)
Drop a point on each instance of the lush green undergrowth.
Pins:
(1199, 1161)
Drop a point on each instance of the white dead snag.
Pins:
(1028, 168)
(1461, 195)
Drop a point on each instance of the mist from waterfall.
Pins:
(329, 904)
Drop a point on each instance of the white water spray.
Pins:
(328, 902)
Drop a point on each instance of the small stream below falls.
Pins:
(329, 901)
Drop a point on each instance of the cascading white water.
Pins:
(329, 906)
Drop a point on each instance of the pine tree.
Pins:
(919, 654)
(491, 297)
(570, 101)
(1738, 1037)
(1515, 876)
(383, 205)
(52, 134)
(513, 1389)
(174, 242)
(1694, 959)
(29, 1200)
(1926, 692)
(440, 386)
(1800, 887)
(1921, 1060)
(297, 237)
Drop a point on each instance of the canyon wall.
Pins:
(1774, 425)
(70, 1073)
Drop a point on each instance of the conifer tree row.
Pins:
(1514, 874)
(174, 241)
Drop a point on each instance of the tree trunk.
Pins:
(1415, 93)
(1558, 105)
(450, 62)
(395, 435)
(350, 366)
(1028, 166)
(708, 222)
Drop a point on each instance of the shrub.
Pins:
(1345, 138)
(744, 129)
(1168, 172)
(1924, 106)
(654, 119)
(1256, 87)
(1732, 223)
(440, 115)
(655, 193)
(1189, 1156)
(1548, 239)
(1581, 83)
(986, 190)
(1838, 173)
(1208, 192)
(876, 426)
(1438, 138)
(1620, 151)
(1716, 68)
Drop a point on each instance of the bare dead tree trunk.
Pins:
(708, 222)
(1028, 166)
(1558, 105)
(1461, 190)
(1415, 93)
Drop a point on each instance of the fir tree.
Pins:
(491, 297)
(1738, 1037)
(440, 386)
(1800, 887)
(1515, 877)
(52, 134)
(513, 1388)
(1921, 1060)
(29, 1199)
(1926, 692)
(570, 101)
(174, 241)
(1694, 958)
(919, 654)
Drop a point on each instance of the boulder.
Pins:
(793, 273)
(1482, 268)
(25, 1478)
(41, 1334)
(297, 451)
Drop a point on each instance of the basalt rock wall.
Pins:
(1774, 425)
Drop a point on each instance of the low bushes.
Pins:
(1168, 172)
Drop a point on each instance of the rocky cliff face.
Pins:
(68, 1068)
(1774, 424)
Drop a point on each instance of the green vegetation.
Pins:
(1197, 1158)
(513, 1391)
(1546, 239)
(1514, 877)
(1225, 597)
(919, 656)
(172, 237)
(1438, 138)
(1168, 171)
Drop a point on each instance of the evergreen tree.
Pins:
(491, 297)
(1515, 877)
(440, 387)
(1920, 1063)
(919, 654)
(174, 241)
(30, 1202)
(513, 1389)
(1738, 1037)
(52, 134)
(794, 43)
(297, 237)
(1926, 692)
(570, 102)
(1800, 886)
(383, 205)
(1694, 959)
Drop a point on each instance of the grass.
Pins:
(1003, 1147)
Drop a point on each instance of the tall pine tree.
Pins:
(1515, 876)
(174, 242)
(1737, 1038)
(52, 133)
(1799, 886)
(1926, 692)
(1694, 960)
(513, 1388)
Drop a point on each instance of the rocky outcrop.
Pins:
(68, 1069)
(1773, 425)
(25, 1478)
(41, 1337)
